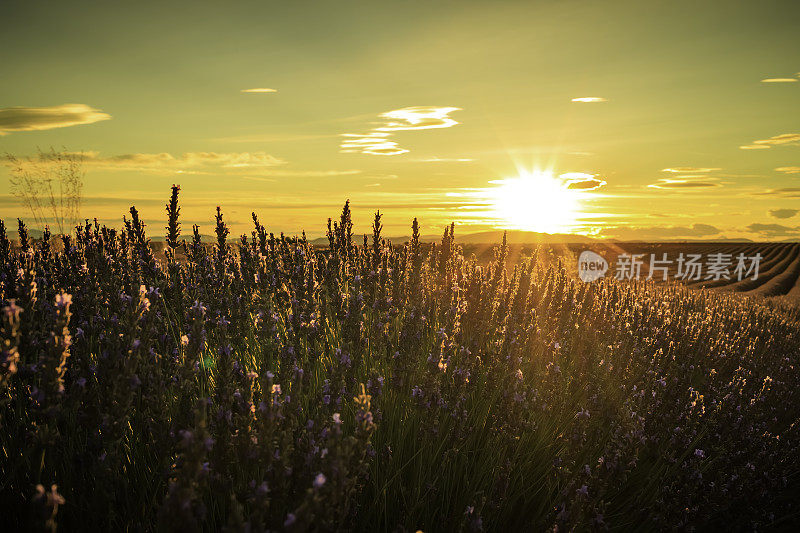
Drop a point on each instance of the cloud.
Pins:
(230, 163)
(259, 178)
(582, 181)
(786, 192)
(418, 118)
(260, 90)
(783, 138)
(689, 170)
(188, 160)
(772, 230)
(46, 118)
(789, 170)
(377, 142)
(586, 185)
(257, 166)
(661, 232)
(783, 213)
(266, 138)
(284, 173)
(446, 160)
(589, 99)
(778, 80)
(684, 182)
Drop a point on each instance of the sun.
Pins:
(536, 201)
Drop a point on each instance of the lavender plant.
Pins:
(270, 385)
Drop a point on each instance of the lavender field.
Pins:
(261, 384)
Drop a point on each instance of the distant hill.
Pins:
(517, 237)
(488, 237)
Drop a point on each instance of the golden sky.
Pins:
(620, 119)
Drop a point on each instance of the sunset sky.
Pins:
(622, 119)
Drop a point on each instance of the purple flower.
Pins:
(319, 480)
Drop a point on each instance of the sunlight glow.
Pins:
(536, 201)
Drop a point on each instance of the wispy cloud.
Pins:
(685, 183)
(377, 141)
(772, 230)
(265, 138)
(660, 232)
(783, 213)
(589, 99)
(582, 181)
(260, 90)
(786, 192)
(689, 170)
(259, 178)
(286, 173)
(257, 166)
(188, 160)
(445, 160)
(418, 118)
(46, 118)
(779, 80)
(783, 138)
(789, 170)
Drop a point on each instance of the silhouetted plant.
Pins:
(50, 186)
